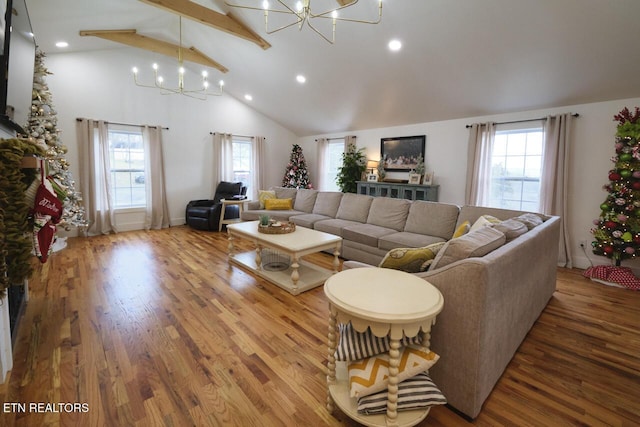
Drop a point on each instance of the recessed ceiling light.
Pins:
(248, 97)
(62, 44)
(395, 45)
(300, 78)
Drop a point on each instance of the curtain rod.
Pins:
(233, 134)
(340, 137)
(525, 120)
(78, 119)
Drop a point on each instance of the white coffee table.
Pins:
(301, 275)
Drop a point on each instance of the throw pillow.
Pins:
(411, 260)
(416, 392)
(511, 228)
(484, 221)
(264, 195)
(354, 345)
(461, 230)
(474, 244)
(531, 220)
(371, 375)
(278, 204)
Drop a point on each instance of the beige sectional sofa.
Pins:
(491, 301)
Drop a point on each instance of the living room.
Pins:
(96, 83)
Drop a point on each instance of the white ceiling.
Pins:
(460, 58)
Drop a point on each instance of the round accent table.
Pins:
(390, 302)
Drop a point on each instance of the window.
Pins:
(243, 161)
(516, 169)
(126, 161)
(333, 160)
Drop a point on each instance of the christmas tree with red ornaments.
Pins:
(617, 231)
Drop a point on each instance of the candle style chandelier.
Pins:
(302, 14)
(158, 82)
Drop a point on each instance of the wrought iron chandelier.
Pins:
(302, 14)
(158, 82)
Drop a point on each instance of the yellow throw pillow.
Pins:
(368, 376)
(278, 204)
(264, 195)
(462, 229)
(411, 260)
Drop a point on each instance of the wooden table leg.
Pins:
(295, 275)
(331, 357)
(392, 387)
(336, 260)
(258, 257)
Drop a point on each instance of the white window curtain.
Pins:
(258, 158)
(322, 144)
(223, 158)
(157, 208)
(348, 140)
(555, 177)
(95, 176)
(481, 138)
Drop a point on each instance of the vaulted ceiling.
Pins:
(459, 58)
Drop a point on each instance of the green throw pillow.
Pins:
(411, 260)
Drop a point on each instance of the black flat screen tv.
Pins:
(17, 62)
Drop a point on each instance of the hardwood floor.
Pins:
(155, 329)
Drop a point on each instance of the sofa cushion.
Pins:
(403, 239)
(305, 200)
(354, 207)
(278, 204)
(371, 375)
(327, 203)
(367, 234)
(308, 220)
(333, 226)
(354, 345)
(432, 219)
(416, 392)
(285, 193)
(390, 213)
(474, 244)
(264, 195)
(280, 215)
(511, 228)
(411, 260)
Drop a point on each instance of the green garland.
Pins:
(16, 245)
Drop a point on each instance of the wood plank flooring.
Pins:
(155, 329)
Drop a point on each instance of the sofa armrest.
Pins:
(253, 206)
(348, 265)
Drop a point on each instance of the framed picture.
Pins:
(414, 178)
(372, 177)
(401, 153)
(428, 179)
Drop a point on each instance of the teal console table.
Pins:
(398, 190)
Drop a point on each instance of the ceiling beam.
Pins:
(132, 38)
(227, 23)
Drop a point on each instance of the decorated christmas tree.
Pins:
(617, 231)
(296, 174)
(42, 129)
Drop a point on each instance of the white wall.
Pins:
(99, 85)
(446, 151)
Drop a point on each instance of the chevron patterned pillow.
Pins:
(413, 393)
(371, 375)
